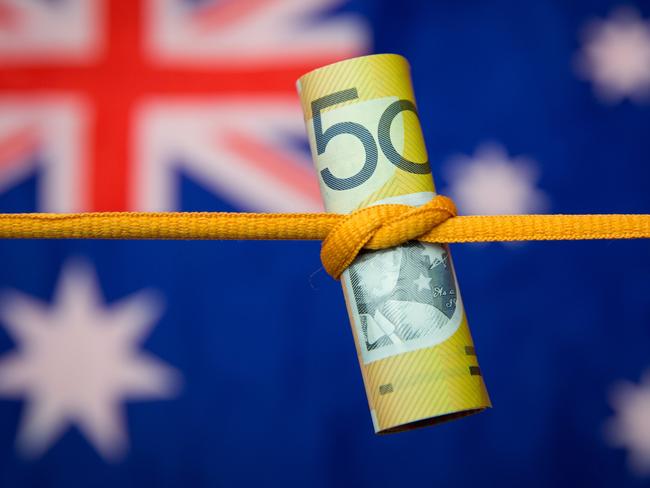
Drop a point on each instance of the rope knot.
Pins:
(380, 227)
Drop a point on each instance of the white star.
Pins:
(491, 183)
(423, 282)
(77, 361)
(630, 428)
(616, 56)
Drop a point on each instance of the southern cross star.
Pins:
(77, 361)
(616, 56)
(630, 428)
(492, 183)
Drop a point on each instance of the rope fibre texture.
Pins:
(343, 236)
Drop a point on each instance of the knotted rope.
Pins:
(379, 227)
(344, 236)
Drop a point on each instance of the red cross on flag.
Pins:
(111, 98)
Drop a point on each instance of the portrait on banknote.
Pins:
(406, 298)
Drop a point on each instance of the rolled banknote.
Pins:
(414, 346)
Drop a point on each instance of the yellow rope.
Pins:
(373, 227)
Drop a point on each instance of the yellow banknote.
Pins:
(414, 346)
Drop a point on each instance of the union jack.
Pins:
(107, 100)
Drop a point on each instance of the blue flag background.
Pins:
(267, 387)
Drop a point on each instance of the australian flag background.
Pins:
(232, 363)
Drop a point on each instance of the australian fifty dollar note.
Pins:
(414, 346)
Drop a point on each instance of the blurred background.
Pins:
(232, 363)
